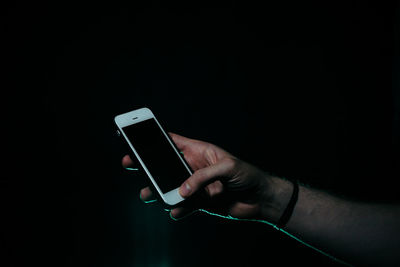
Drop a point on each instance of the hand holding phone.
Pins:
(229, 186)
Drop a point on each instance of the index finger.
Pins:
(180, 141)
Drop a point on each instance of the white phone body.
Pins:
(145, 115)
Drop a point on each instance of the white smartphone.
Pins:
(156, 152)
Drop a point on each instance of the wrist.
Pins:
(276, 198)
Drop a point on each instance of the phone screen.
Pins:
(157, 154)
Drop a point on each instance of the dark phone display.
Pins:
(157, 154)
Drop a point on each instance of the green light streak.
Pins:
(178, 219)
(132, 169)
(279, 229)
(147, 201)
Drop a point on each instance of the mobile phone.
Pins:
(156, 152)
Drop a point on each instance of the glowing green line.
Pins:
(147, 201)
(132, 169)
(178, 219)
(279, 229)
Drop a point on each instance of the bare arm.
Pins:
(358, 233)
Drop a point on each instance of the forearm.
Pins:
(357, 232)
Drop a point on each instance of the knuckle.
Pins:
(200, 175)
(231, 163)
(199, 178)
(209, 152)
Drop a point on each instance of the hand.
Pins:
(221, 183)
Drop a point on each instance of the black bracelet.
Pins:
(290, 207)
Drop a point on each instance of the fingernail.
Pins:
(185, 190)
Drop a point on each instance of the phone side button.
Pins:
(118, 133)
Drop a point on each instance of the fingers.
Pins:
(214, 189)
(127, 161)
(147, 195)
(207, 178)
(180, 141)
(221, 170)
(180, 213)
(243, 210)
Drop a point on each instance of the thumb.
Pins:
(222, 170)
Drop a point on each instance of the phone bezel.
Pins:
(172, 197)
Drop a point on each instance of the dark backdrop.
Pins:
(306, 90)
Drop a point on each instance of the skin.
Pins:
(359, 233)
(221, 178)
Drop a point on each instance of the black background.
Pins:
(306, 90)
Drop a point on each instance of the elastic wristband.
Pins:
(290, 207)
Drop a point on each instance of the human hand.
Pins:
(221, 183)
